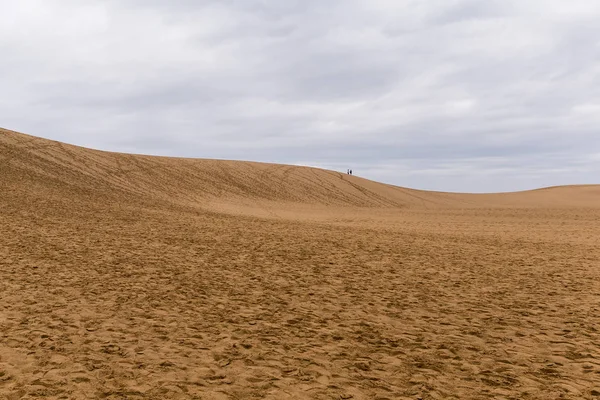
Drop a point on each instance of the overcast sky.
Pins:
(456, 95)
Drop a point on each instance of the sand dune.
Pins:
(55, 167)
(129, 276)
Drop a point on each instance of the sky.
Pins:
(453, 95)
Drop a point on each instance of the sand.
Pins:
(137, 277)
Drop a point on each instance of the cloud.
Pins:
(457, 95)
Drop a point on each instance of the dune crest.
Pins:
(53, 167)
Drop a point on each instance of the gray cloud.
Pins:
(458, 95)
(466, 10)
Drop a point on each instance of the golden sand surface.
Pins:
(137, 277)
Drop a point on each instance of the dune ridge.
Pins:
(203, 182)
(136, 277)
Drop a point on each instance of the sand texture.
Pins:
(137, 277)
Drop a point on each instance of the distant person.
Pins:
(350, 172)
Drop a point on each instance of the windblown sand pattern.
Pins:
(136, 277)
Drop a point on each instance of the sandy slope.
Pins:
(143, 277)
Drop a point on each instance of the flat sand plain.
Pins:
(136, 277)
